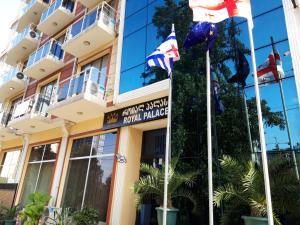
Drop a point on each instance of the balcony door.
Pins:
(97, 71)
(12, 108)
(45, 97)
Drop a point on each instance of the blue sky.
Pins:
(273, 24)
(8, 12)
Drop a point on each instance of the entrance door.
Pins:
(153, 153)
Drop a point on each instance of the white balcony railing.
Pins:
(29, 30)
(104, 12)
(66, 4)
(9, 76)
(52, 48)
(34, 105)
(91, 81)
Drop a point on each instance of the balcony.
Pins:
(57, 16)
(31, 13)
(10, 85)
(90, 3)
(94, 30)
(23, 45)
(5, 132)
(30, 116)
(81, 98)
(46, 60)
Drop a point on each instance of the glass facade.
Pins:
(138, 29)
(89, 173)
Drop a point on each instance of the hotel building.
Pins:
(77, 117)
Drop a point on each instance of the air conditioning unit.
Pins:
(32, 34)
(92, 88)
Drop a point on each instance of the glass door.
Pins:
(45, 97)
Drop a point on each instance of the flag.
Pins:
(202, 32)
(165, 54)
(215, 11)
(271, 70)
(216, 93)
(243, 70)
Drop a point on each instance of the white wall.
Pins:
(292, 18)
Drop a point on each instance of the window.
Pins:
(8, 166)
(45, 97)
(89, 173)
(40, 170)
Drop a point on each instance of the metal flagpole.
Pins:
(261, 131)
(168, 153)
(253, 156)
(285, 115)
(209, 143)
(168, 147)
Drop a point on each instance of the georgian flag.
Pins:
(165, 54)
(271, 70)
(215, 11)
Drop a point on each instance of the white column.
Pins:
(59, 164)
(292, 19)
(123, 211)
(120, 47)
(22, 158)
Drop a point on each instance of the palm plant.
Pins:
(244, 191)
(35, 208)
(151, 183)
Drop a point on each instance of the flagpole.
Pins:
(168, 153)
(261, 132)
(168, 147)
(253, 156)
(285, 114)
(209, 142)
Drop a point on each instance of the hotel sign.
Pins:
(144, 112)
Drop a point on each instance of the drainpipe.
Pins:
(60, 163)
(119, 53)
(22, 158)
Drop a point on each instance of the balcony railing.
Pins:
(29, 5)
(52, 48)
(91, 81)
(37, 104)
(103, 12)
(29, 30)
(9, 76)
(67, 4)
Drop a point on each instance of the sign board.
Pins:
(140, 113)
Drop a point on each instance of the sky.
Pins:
(8, 12)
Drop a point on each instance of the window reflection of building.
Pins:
(89, 173)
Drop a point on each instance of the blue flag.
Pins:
(202, 32)
(243, 70)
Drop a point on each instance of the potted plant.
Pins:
(35, 208)
(86, 216)
(152, 183)
(58, 216)
(10, 215)
(244, 189)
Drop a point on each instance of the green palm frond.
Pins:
(231, 166)
(250, 177)
(226, 193)
(152, 183)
